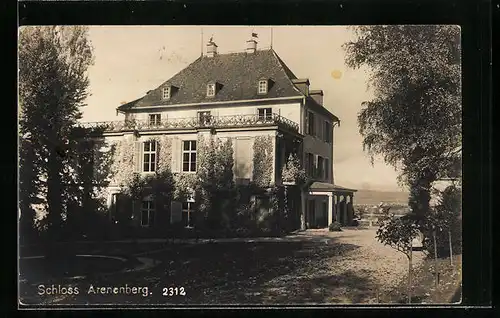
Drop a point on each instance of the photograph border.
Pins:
(475, 21)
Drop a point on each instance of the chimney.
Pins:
(251, 46)
(317, 95)
(302, 85)
(211, 49)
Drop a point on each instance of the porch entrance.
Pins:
(328, 203)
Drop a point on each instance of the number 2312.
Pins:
(174, 291)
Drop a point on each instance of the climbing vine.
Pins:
(164, 153)
(263, 160)
(184, 184)
(123, 163)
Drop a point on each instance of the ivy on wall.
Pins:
(123, 163)
(164, 153)
(263, 160)
(184, 185)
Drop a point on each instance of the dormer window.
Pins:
(211, 90)
(165, 93)
(263, 86)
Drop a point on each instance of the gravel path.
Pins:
(360, 269)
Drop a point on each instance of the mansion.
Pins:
(250, 97)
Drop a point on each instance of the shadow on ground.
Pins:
(229, 273)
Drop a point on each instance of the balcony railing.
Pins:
(196, 122)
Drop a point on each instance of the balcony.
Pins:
(234, 121)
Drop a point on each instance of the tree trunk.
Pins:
(410, 274)
(436, 272)
(451, 248)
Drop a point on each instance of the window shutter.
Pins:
(307, 122)
(157, 156)
(306, 164)
(175, 211)
(316, 167)
(176, 155)
(137, 157)
(319, 128)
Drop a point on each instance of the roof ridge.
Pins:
(289, 74)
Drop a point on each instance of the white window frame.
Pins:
(151, 163)
(157, 120)
(189, 152)
(165, 93)
(262, 87)
(211, 89)
(150, 209)
(267, 113)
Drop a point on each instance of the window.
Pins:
(265, 113)
(149, 156)
(320, 170)
(154, 119)
(327, 132)
(310, 124)
(187, 214)
(262, 87)
(204, 118)
(210, 90)
(165, 93)
(147, 213)
(189, 156)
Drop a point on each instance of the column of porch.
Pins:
(330, 209)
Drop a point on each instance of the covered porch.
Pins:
(327, 203)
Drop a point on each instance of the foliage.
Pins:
(445, 219)
(164, 144)
(292, 171)
(335, 227)
(397, 232)
(263, 160)
(53, 85)
(414, 119)
(184, 186)
(123, 163)
(215, 191)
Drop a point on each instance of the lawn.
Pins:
(425, 290)
(318, 267)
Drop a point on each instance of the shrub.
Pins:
(335, 227)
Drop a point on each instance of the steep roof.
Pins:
(237, 73)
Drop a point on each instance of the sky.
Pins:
(130, 60)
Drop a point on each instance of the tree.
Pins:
(414, 119)
(53, 85)
(215, 190)
(445, 223)
(398, 233)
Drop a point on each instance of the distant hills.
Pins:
(374, 197)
